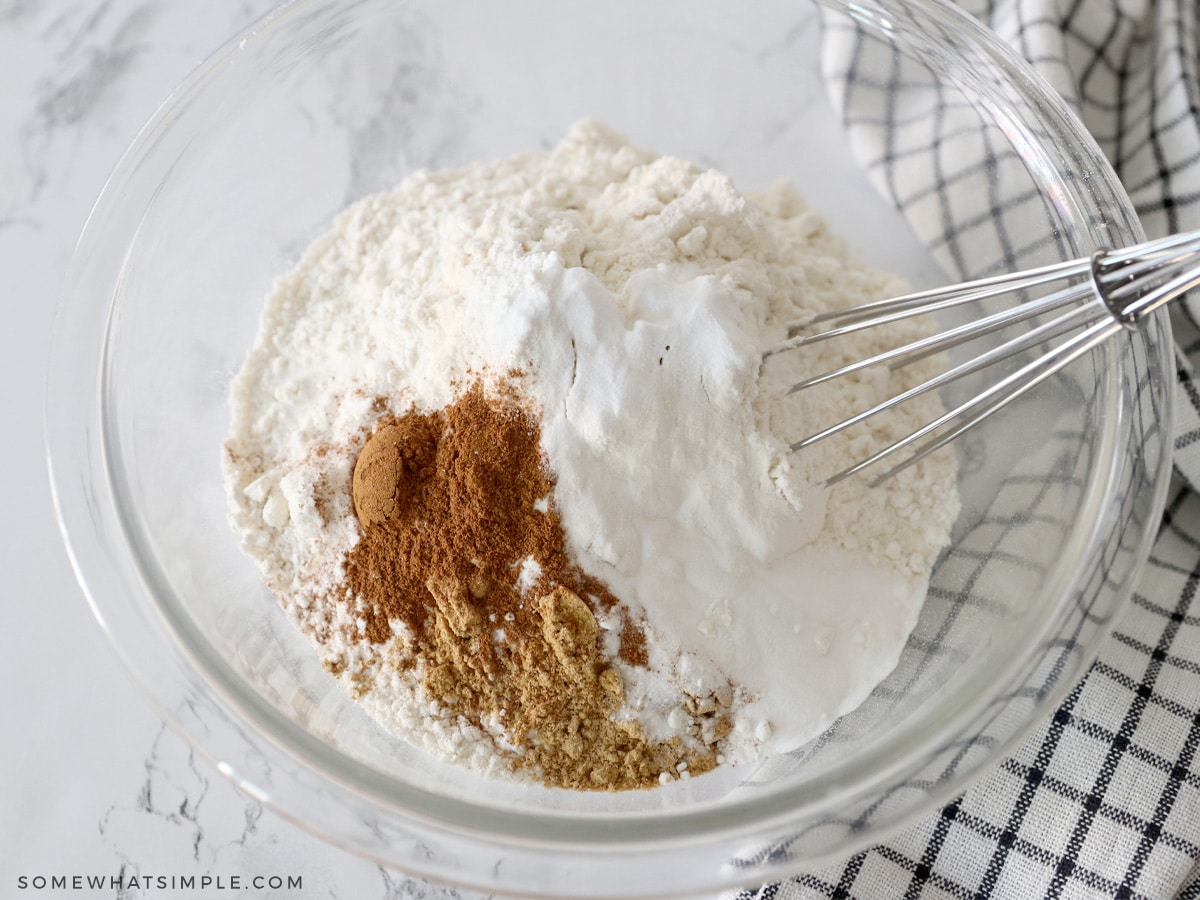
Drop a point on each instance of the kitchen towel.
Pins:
(1103, 798)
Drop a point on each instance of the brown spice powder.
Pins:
(449, 504)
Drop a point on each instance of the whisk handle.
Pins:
(1136, 281)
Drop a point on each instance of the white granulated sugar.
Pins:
(637, 293)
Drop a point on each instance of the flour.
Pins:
(630, 297)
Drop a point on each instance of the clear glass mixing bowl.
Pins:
(324, 101)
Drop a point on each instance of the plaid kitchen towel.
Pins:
(1103, 799)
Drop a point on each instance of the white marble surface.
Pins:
(91, 782)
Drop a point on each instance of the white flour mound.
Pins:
(637, 293)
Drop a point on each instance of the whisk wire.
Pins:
(906, 354)
(965, 291)
(1046, 331)
(986, 403)
(1152, 299)
(1151, 249)
(1104, 293)
(885, 312)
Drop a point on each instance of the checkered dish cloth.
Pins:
(1103, 799)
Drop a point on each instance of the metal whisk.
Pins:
(1104, 293)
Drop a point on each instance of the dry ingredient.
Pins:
(450, 507)
(506, 449)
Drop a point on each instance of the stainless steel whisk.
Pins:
(1111, 290)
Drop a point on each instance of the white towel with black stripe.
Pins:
(1103, 799)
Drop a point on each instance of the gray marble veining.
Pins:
(93, 783)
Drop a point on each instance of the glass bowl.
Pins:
(324, 101)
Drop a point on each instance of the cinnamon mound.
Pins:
(462, 544)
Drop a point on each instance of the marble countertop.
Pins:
(91, 780)
(93, 784)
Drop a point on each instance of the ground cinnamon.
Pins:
(455, 505)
